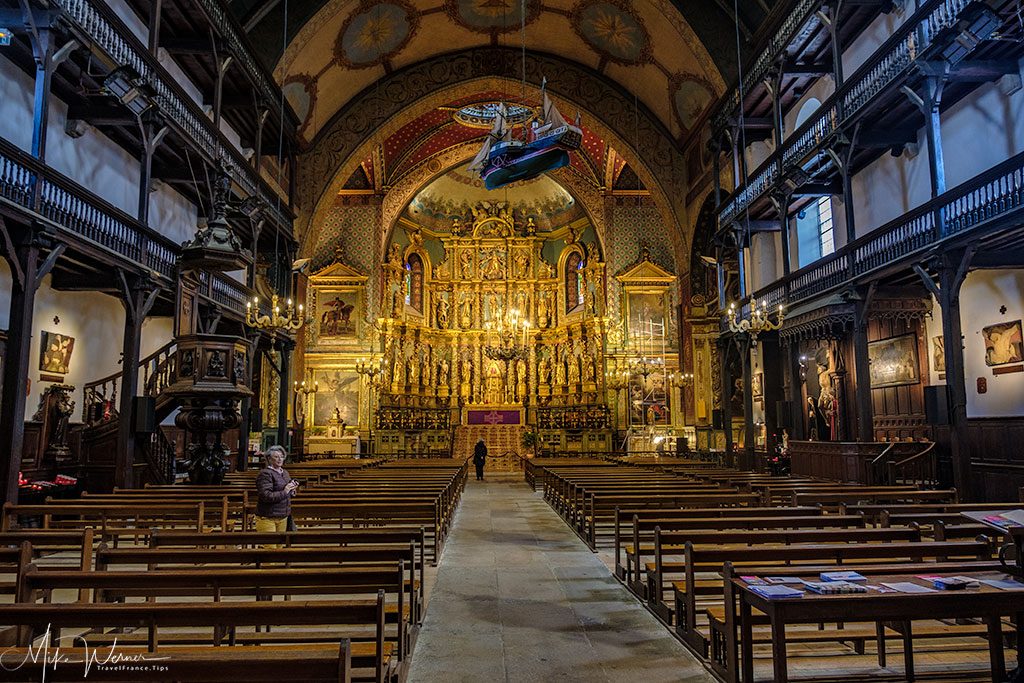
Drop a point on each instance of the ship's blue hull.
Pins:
(504, 170)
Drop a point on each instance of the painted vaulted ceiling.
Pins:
(673, 57)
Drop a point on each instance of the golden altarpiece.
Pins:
(491, 337)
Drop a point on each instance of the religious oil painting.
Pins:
(647, 321)
(894, 361)
(938, 354)
(338, 312)
(55, 352)
(337, 396)
(1003, 343)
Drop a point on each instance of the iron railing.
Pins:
(103, 30)
(888, 65)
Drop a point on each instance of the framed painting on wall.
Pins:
(55, 352)
(938, 354)
(337, 396)
(894, 361)
(1003, 343)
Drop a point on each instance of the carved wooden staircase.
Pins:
(101, 418)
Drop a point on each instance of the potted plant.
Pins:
(529, 442)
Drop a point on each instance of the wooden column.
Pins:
(724, 345)
(862, 370)
(952, 270)
(284, 393)
(25, 252)
(794, 367)
(137, 296)
(744, 347)
(772, 362)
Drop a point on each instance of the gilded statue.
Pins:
(466, 313)
(560, 372)
(442, 313)
(574, 370)
(466, 263)
(545, 371)
(544, 310)
(589, 369)
(521, 372)
(443, 373)
(531, 227)
(492, 266)
(414, 370)
(521, 265)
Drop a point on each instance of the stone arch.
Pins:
(353, 133)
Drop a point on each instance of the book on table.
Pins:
(776, 592)
(834, 587)
(842, 576)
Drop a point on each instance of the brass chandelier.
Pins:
(758, 322)
(273, 322)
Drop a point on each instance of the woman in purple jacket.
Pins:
(275, 488)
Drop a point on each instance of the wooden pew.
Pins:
(222, 616)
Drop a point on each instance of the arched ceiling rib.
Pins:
(338, 48)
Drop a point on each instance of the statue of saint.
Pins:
(560, 372)
(574, 370)
(466, 313)
(521, 377)
(492, 266)
(545, 371)
(442, 378)
(531, 227)
(589, 369)
(466, 263)
(494, 389)
(521, 265)
(398, 371)
(442, 313)
(414, 370)
(543, 310)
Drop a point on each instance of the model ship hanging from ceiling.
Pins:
(546, 145)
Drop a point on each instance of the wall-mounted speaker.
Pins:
(145, 414)
(936, 404)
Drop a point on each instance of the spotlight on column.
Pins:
(5, 36)
(126, 85)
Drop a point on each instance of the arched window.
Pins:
(414, 282)
(574, 289)
(806, 109)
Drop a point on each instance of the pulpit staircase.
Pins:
(504, 445)
(904, 463)
(101, 418)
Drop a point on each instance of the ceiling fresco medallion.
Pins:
(491, 16)
(613, 31)
(690, 98)
(375, 32)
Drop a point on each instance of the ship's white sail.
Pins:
(500, 132)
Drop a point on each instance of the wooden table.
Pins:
(985, 602)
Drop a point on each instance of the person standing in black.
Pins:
(479, 458)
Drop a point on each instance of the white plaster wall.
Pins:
(92, 160)
(95, 320)
(983, 293)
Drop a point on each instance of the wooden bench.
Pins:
(50, 619)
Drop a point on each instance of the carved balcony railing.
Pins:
(38, 188)
(104, 31)
(995, 196)
(890, 64)
(99, 397)
(781, 39)
(227, 292)
(239, 47)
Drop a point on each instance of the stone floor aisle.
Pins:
(518, 597)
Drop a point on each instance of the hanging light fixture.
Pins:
(273, 322)
(758, 322)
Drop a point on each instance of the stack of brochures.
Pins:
(777, 592)
(855, 577)
(834, 587)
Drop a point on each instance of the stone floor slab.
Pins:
(519, 598)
